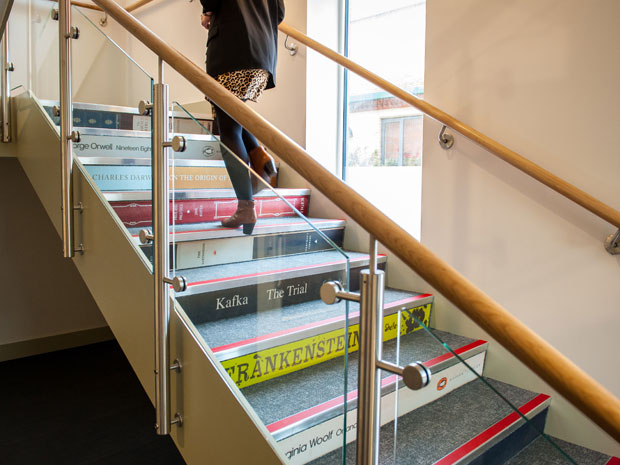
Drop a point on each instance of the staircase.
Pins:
(252, 303)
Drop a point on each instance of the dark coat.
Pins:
(243, 35)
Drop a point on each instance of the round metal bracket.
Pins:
(104, 20)
(10, 66)
(178, 420)
(146, 236)
(145, 107)
(176, 365)
(56, 110)
(416, 376)
(55, 14)
(80, 249)
(74, 33)
(445, 140)
(612, 243)
(179, 283)
(178, 144)
(75, 136)
(292, 49)
(329, 292)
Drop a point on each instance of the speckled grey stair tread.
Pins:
(227, 331)
(216, 225)
(431, 432)
(266, 265)
(281, 397)
(542, 452)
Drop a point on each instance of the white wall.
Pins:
(541, 77)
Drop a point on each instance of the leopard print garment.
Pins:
(247, 84)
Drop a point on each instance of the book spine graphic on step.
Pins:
(316, 441)
(96, 145)
(139, 213)
(222, 299)
(260, 366)
(138, 177)
(195, 254)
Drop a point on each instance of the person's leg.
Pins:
(249, 140)
(231, 136)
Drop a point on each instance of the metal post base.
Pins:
(612, 243)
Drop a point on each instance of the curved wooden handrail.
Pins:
(561, 374)
(549, 179)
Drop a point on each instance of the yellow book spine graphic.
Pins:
(256, 367)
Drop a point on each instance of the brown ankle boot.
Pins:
(245, 215)
(264, 165)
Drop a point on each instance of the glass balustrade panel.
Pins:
(254, 288)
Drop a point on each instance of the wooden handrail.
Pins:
(564, 376)
(138, 4)
(549, 179)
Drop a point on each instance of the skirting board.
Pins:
(52, 343)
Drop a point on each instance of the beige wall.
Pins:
(42, 293)
(538, 76)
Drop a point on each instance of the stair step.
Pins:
(92, 115)
(541, 452)
(134, 208)
(120, 144)
(470, 424)
(134, 174)
(309, 403)
(225, 291)
(308, 334)
(206, 244)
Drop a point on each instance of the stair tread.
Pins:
(542, 452)
(191, 194)
(226, 331)
(269, 265)
(269, 225)
(429, 433)
(320, 383)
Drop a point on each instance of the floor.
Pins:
(78, 406)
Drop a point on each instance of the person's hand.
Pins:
(205, 19)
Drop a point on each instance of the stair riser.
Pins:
(122, 118)
(139, 177)
(139, 213)
(512, 444)
(139, 146)
(313, 442)
(227, 299)
(272, 362)
(194, 254)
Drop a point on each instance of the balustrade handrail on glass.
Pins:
(560, 373)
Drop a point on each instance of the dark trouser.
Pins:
(240, 142)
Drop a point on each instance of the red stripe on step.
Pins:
(494, 430)
(263, 273)
(613, 461)
(407, 300)
(278, 425)
(310, 325)
(459, 351)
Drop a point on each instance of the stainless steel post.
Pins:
(66, 126)
(161, 250)
(369, 389)
(7, 67)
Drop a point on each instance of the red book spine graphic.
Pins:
(138, 213)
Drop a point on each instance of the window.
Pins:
(401, 141)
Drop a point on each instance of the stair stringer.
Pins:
(118, 276)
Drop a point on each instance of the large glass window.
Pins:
(383, 136)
